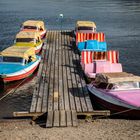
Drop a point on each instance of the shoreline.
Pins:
(98, 129)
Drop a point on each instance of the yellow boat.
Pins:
(85, 26)
(34, 25)
(29, 39)
(17, 63)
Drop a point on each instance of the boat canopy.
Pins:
(85, 24)
(22, 52)
(116, 77)
(36, 23)
(88, 56)
(26, 34)
(81, 37)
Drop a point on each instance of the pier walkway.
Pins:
(61, 90)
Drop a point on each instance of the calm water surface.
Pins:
(118, 19)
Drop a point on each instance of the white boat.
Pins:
(118, 92)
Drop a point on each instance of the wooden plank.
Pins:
(36, 90)
(95, 113)
(69, 77)
(66, 99)
(68, 118)
(51, 74)
(62, 118)
(45, 95)
(56, 57)
(47, 84)
(27, 114)
(34, 98)
(84, 87)
(61, 97)
(41, 96)
(56, 118)
(79, 83)
(74, 118)
(69, 80)
(49, 122)
(74, 89)
(41, 90)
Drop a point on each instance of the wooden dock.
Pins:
(60, 90)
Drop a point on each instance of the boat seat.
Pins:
(92, 45)
(91, 69)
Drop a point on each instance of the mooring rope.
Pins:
(117, 113)
(13, 90)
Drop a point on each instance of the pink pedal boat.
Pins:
(118, 92)
(100, 62)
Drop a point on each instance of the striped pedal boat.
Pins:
(100, 62)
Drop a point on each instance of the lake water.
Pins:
(118, 19)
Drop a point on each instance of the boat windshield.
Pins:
(25, 40)
(30, 27)
(10, 59)
(124, 85)
(85, 28)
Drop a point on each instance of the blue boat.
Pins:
(17, 63)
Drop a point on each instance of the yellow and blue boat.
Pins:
(17, 63)
(29, 39)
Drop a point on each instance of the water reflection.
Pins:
(16, 96)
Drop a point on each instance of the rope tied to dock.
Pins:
(117, 113)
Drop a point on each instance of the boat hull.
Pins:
(116, 110)
(38, 48)
(43, 35)
(20, 75)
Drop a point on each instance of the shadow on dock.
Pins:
(64, 96)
